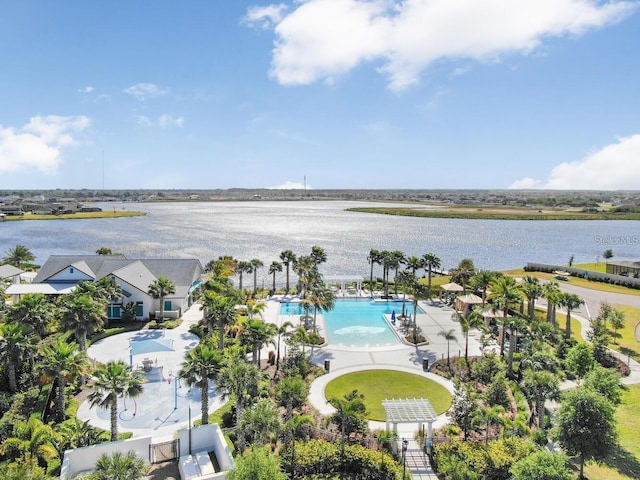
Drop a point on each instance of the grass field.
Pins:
(626, 341)
(378, 385)
(497, 213)
(79, 215)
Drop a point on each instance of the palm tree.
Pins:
(33, 310)
(202, 364)
(553, 295)
(256, 334)
(255, 265)
(570, 301)
(322, 298)
(281, 330)
(506, 293)
(467, 322)
(241, 380)
(288, 258)
(18, 255)
(540, 386)
(431, 262)
(532, 289)
(274, 268)
(418, 291)
(291, 393)
(487, 417)
(386, 259)
(75, 433)
(318, 255)
(414, 263)
(463, 272)
(62, 362)
(219, 310)
(449, 336)
(32, 440)
(406, 279)
(113, 379)
(259, 423)
(372, 258)
(82, 315)
(17, 348)
(119, 466)
(397, 259)
(515, 325)
(482, 280)
(159, 289)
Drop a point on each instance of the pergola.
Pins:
(410, 410)
(343, 280)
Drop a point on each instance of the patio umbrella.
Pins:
(452, 287)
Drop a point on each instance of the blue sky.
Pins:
(347, 93)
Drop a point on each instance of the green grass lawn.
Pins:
(625, 463)
(378, 385)
(626, 338)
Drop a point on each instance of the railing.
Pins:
(162, 452)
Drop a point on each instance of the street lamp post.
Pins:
(175, 389)
(405, 444)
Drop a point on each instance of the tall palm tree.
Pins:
(159, 289)
(18, 255)
(463, 272)
(553, 295)
(373, 258)
(488, 416)
(540, 386)
(256, 334)
(515, 325)
(201, 365)
(323, 299)
(281, 331)
(62, 362)
(431, 262)
(532, 289)
(288, 258)
(406, 279)
(386, 260)
(240, 379)
(17, 347)
(570, 301)
(259, 423)
(449, 336)
(220, 311)
(418, 291)
(33, 310)
(482, 280)
(113, 379)
(242, 267)
(256, 264)
(469, 321)
(414, 263)
(318, 255)
(506, 293)
(274, 268)
(397, 260)
(82, 315)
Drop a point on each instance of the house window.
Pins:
(139, 309)
(71, 270)
(114, 311)
(167, 305)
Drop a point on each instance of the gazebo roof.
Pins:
(452, 287)
(409, 410)
(470, 299)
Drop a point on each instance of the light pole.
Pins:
(405, 444)
(175, 389)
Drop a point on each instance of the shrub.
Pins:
(486, 368)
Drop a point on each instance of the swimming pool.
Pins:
(357, 322)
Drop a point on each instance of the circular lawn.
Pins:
(378, 385)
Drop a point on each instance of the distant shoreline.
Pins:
(75, 216)
(496, 213)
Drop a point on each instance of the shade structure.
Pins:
(409, 410)
(452, 287)
(149, 346)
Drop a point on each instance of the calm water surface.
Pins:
(248, 230)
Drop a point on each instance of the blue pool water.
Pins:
(357, 322)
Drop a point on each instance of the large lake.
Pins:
(248, 230)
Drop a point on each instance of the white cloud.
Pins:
(320, 39)
(614, 167)
(288, 185)
(37, 144)
(87, 89)
(265, 17)
(165, 120)
(145, 91)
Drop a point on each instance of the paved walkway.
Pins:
(165, 405)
